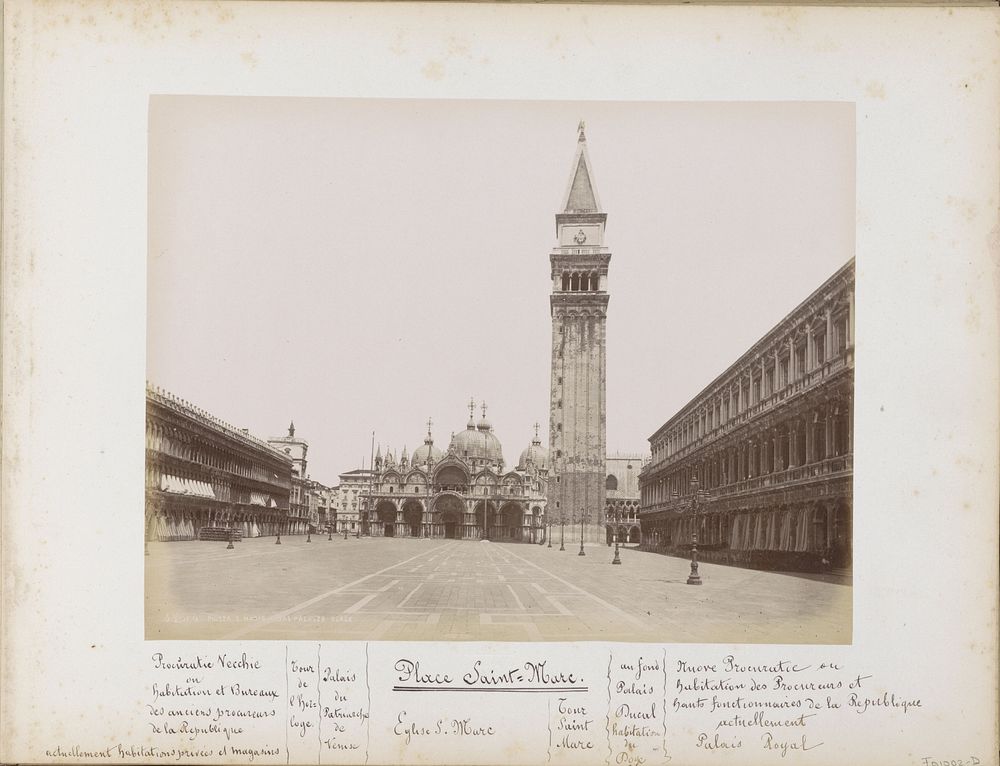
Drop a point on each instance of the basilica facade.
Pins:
(464, 492)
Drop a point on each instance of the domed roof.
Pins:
(477, 442)
(534, 453)
(420, 454)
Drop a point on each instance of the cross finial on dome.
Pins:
(536, 429)
(472, 406)
(429, 424)
(582, 138)
(484, 409)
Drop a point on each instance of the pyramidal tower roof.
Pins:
(581, 194)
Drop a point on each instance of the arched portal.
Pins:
(413, 514)
(385, 512)
(486, 519)
(448, 514)
(511, 522)
(633, 535)
(451, 477)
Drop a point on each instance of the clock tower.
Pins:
(579, 304)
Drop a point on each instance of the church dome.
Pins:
(477, 443)
(534, 453)
(420, 454)
(472, 444)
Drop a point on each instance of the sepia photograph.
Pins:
(500, 371)
(502, 383)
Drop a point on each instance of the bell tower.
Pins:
(579, 304)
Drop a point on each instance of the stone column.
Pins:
(810, 433)
(828, 430)
(810, 351)
(850, 318)
(829, 332)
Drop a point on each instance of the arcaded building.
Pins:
(621, 496)
(760, 463)
(204, 473)
(462, 493)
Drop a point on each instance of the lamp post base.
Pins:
(278, 540)
(694, 578)
(617, 558)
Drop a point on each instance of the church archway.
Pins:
(451, 478)
(413, 513)
(486, 519)
(511, 522)
(385, 512)
(449, 516)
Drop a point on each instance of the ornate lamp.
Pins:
(694, 578)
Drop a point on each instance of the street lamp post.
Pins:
(548, 531)
(694, 578)
(617, 520)
(581, 553)
(562, 531)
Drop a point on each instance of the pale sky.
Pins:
(360, 265)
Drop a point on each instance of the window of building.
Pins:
(611, 482)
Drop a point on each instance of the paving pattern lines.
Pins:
(431, 590)
(323, 596)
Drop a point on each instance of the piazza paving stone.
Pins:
(440, 590)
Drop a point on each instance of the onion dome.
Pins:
(484, 424)
(535, 454)
(428, 450)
